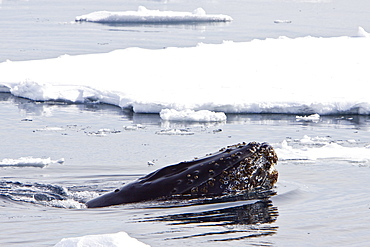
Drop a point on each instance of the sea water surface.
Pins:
(37, 29)
(321, 198)
(315, 200)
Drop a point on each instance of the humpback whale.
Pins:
(235, 169)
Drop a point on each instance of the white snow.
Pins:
(29, 162)
(296, 76)
(144, 15)
(120, 239)
(191, 115)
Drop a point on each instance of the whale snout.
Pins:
(109, 199)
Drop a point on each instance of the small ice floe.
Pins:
(119, 239)
(134, 127)
(192, 116)
(144, 15)
(311, 118)
(314, 149)
(103, 132)
(175, 132)
(48, 128)
(282, 21)
(29, 162)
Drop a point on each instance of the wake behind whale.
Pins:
(235, 169)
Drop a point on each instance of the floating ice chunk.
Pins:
(29, 162)
(320, 148)
(282, 21)
(103, 132)
(134, 127)
(310, 118)
(120, 239)
(192, 116)
(143, 15)
(51, 129)
(175, 132)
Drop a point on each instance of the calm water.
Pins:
(37, 29)
(322, 203)
(314, 201)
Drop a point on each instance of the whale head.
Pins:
(234, 169)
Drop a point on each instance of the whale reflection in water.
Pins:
(219, 219)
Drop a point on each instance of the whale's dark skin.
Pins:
(234, 169)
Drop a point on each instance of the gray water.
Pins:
(323, 203)
(37, 29)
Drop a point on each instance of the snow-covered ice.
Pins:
(120, 239)
(299, 76)
(144, 15)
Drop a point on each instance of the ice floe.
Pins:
(29, 162)
(310, 118)
(282, 21)
(144, 15)
(301, 76)
(102, 132)
(175, 132)
(120, 239)
(312, 149)
(134, 127)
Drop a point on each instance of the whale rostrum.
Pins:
(235, 169)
